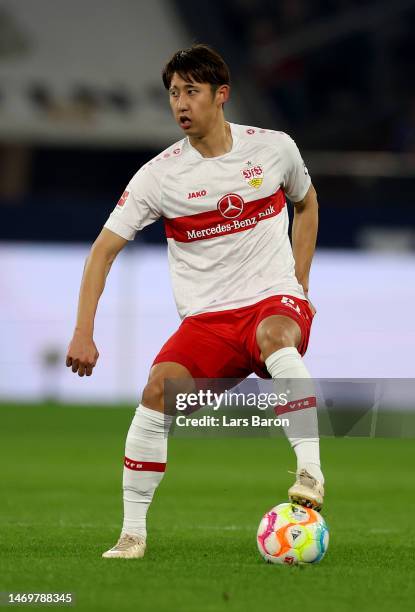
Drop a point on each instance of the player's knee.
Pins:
(153, 394)
(273, 338)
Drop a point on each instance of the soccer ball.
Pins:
(291, 534)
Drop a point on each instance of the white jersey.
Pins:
(225, 218)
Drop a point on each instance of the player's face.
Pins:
(195, 107)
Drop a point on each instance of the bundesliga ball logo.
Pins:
(290, 534)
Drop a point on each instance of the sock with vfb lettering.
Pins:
(287, 367)
(144, 466)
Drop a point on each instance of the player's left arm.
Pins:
(304, 236)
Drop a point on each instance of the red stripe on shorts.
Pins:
(144, 466)
(211, 224)
(301, 404)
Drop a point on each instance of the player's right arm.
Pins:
(138, 207)
(82, 353)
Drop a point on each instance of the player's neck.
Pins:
(217, 142)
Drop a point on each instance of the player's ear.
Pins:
(222, 94)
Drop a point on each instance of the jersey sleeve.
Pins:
(138, 206)
(296, 177)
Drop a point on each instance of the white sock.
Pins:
(301, 410)
(144, 465)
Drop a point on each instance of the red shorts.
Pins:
(223, 344)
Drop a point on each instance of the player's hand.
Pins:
(82, 354)
(313, 310)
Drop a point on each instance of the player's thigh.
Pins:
(206, 345)
(165, 380)
(282, 321)
(168, 369)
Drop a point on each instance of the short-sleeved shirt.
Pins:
(225, 218)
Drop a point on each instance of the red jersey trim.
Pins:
(211, 224)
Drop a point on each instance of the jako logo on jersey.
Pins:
(196, 194)
(253, 175)
(230, 206)
(122, 199)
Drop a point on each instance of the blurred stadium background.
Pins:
(82, 106)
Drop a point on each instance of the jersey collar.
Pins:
(235, 140)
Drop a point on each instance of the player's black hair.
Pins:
(200, 63)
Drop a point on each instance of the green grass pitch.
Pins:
(61, 508)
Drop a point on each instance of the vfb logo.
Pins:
(231, 206)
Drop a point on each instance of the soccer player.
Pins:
(240, 288)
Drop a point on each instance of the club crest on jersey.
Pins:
(253, 174)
